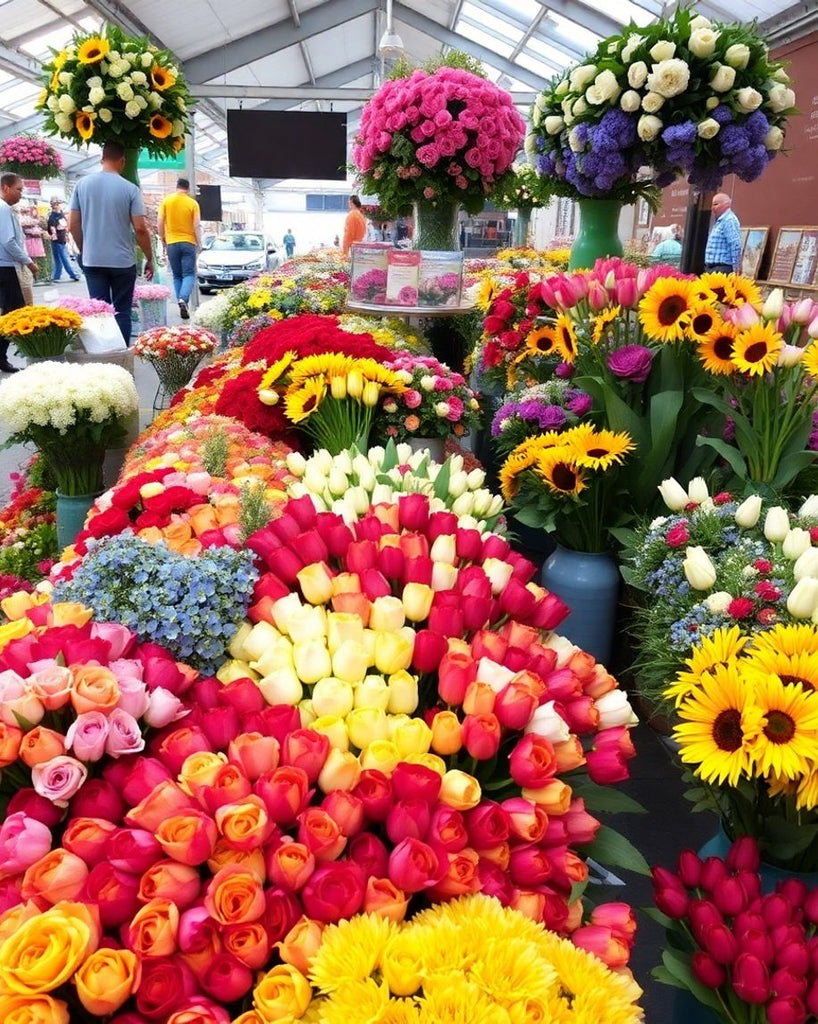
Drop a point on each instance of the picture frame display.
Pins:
(806, 259)
(786, 250)
(753, 245)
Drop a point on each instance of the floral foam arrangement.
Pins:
(116, 88)
(436, 401)
(29, 157)
(683, 96)
(41, 331)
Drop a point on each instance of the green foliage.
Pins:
(255, 511)
(215, 450)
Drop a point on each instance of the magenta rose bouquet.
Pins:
(437, 401)
(448, 135)
(29, 157)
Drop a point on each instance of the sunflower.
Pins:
(806, 797)
(332, 364)
(84, 123)
(785, 744)
(159, 127)
(756, 349)
(798, 638)
(716, 350)
(303, 399)
(515, 464)
(703, 321)
(92, 50)
(713, 286)
(792, 669)
(597, 449)
(810, 360)
(275, 370)
(601, 322)
(542, 341)
(487, 293)
(666, 308)
(721, 648)
(162, 78)
(178, 144)
(721, 722)
(566, 338)
(558, 468)
(741, 290)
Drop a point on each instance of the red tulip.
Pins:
(707, 970)
(369, 853)
(455, 672)
(603, 943)
(414, 866)
(783, 1009)
(751, 979)
(416, 782)
(408, 818)
(689, 868)
(743, 855)
(374, 789)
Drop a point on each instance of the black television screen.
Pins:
(287, 144)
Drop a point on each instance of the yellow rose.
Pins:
(71, 613)
(459, 790)
(278, 654)
(16, 605)
(282, 992)
(382, 755)
(46, 950)
(33, 1010)
(200, 769)
(14, 630)
(412, 737)
(341, 771)
(393, 651)
(106, 979)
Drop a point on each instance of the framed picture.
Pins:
(642, 213)
(753, 244)
(806, 258)
(786, 249)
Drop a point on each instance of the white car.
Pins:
(234, 256)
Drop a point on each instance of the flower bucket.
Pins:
(588, 582)
(71, 512)
(153, 313)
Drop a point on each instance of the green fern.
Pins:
(255, 512)
(215, 449)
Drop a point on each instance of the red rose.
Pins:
(166, 983)
(414, 865)
(533, 762)
(108, 523)
(765, 566)
(305, 749)
(677, 536)
(369, 853)
(334, 892)
(374, 789)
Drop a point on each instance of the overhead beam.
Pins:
(19, 64)
(272, 39)
(794, 22)
(308, 93)
(27, 124)
(592, 18)
(332, 80)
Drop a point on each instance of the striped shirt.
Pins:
(724, 241)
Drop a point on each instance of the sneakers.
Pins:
(183, 310)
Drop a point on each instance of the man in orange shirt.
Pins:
(181, 232)
(354, 225)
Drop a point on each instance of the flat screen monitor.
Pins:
(287, 144)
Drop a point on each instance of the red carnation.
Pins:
(767, 616)
(239, 398)
(677, 536)
(722, 498)
(763, 565)
(740, 608)
(310, 334)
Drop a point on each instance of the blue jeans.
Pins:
(182, 259)
(115, 285)
(61, 262)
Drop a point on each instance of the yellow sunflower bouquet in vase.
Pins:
(748, 736)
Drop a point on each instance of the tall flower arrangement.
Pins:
(114, 87)
(682, 96)
(442, 135)
(29, 157)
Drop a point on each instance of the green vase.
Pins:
(71, 512)
(131, 170)
(598, 233)
(436, 227)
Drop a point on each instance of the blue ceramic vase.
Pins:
(71, 512)
(588, 582)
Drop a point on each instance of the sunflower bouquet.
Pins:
(40, 331)
(566, 483)
(332, 397)
(112, 87)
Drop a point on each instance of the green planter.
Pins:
(598, 233)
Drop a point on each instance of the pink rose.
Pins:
(334, 891)
(126, 668)
(163, 708)
(87, 735)
(52, 685)
(120, 638)
(133, 696)
(412, 399)
(125, 736)
(23, 841)
(59, 779)
(414, 865)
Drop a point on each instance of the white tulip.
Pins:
(476, 478)
(698, 569)
(809, 508)
(464, 505)
(615, 710)
(806, 565)
(314, 478)
(382, 494)
(323, 460)
(748, 512)
(296, 463)
(337, 482)
(358, 499)
(773, 304)
(776, 524)
(697, 490)
(803, 599)
(796, 543)
(673, 494)
(547, 722)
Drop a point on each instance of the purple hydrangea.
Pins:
(631, 362)
(733, 139)
(678, 135)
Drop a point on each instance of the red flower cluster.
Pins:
(509, 320)
(308, 335)
(741, 942)
(238, 398)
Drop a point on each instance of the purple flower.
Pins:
(580, 404)
(631, 362)
(564, 371)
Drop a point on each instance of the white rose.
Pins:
(712, 103)
(708, 128)
(530, 146)
(66, 104)
(63, 122)
(579, 107)
(651, 102)
(663, 50)
(139, 78)
(180, 104)
(737, 55)
(749, 99)
(132, 109)
(105, 114)
(146, 60)
(605, 87)
(780, 98)
(96, 96)
(637, 74)
(723, 79)
(648, 127)
(566, 105)
(702, 41)
(52, 103)
(630, 48)
(774, 139)
(117, 69)
(699, 22)
(582, 76)
(143, 103)
(561, 88)
(781, 76)
(95, 82)
(124, 91)
(669, 77)
(553, 124)
(630, 101)
(66, 78)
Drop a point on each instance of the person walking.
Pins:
(723, 250)
(104, 208)
(181, 232)
(58, 233)
(289, 243)
(354, 225)
(12, 255)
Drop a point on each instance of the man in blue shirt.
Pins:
(723, 250)
(12, 254)
(104, 209)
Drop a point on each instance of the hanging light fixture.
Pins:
(391, 42)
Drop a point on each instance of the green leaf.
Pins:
(441, 485)
(656, 915)
(728, 452)
(663, 974)
(604, 798)
(618, 413)
(390, 458)
(678, 966)
(530, 515)
(612, 849)
(790, 466)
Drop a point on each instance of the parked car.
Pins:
(234, 256)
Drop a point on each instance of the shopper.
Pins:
(723, 250)
(181, 232)
(669, 251)
(289, 243)
(58, 233)
(104, 208)
(12, 255)
(354, 225)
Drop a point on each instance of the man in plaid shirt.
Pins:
(724, 241)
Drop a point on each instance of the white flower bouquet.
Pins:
(71, 412)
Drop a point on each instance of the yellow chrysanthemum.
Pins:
(276, 370)
(458, 1002)
(301, 401)
(719, 725)
(558, 468)
(666, 308)
(565, 335)
(160, 127)
(722, 647)
(785, 744)
(162, 78)
(755, 350)
(356, 1001)
(93, 50)
(716, 351)
(598, 449)
(603, 321)
(351, 951)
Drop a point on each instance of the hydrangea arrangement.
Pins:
(192, 606)
(541, 408)
(116, 88)
(29, 157)
(445, 135)
(681, 96)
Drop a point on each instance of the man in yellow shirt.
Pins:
(181, 232)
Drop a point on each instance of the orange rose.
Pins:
(228, 507)
(190, 548)
(248, 942)
(461, 878)
(33, 1010)
(52, 686)
(41, 745)
(166, 879)
(16, 605)
(164, 801)
(224, 854)
(384, 898)
(554, 797)
(177, 533)
(235, 896)
(10, 739)
(570, 754)
(189, 838)
(301, 943)
(95, 689)
(245, 825)
(200, 769)
(202, 518)
(151, 534)
(290, 865)
(154, 928)
(106, 979)
(11, 919)
(59, 875)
